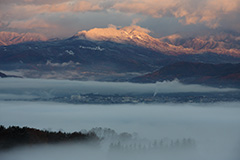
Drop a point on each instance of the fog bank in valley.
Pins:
(214, 127)
(170, 131)
(15, 88)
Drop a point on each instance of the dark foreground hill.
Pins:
(16, 136)
(195, 73)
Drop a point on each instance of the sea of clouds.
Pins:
(214, 127)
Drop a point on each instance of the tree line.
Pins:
(16, 136)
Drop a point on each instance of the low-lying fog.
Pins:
(15, 88)
(215, 128)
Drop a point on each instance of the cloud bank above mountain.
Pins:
(209, 12)
(42, 15)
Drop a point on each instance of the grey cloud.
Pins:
(35, 2)
(211, 13)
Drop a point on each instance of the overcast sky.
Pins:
(63, 18)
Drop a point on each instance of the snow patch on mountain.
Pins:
(70, 52)
(64, 64)
(97, 48)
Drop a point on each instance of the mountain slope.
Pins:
(187, 72)
(84, 59)
(9, 38)
(79, 59)
(2, 75)
(91, 58)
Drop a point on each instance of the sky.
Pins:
(63, 18)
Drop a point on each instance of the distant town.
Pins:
(159, 98)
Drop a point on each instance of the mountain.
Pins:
(79, 59)
(222, 43)
(99, 54)
(133, 35)
(9, 38)
(2, 75)
(195, 73)
(138, 36)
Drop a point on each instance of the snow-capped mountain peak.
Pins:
(139, 36)
(123, 35)
(134, 35)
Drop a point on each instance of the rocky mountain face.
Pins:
(9, 38)
(195, 73)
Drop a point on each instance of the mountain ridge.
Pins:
(10, 38)
(195, 73)
(221, 40)
(81, 59)
(138, 36)
(222, 43)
